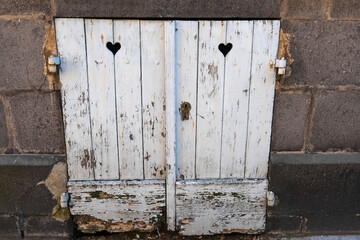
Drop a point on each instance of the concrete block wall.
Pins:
(314, 164)
(31, 128)
(315, 106)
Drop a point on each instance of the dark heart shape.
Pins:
(225, 49)
(113, 47)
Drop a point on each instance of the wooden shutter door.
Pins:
(114, 113)
(167, 114)
(223, 72)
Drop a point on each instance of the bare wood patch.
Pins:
(117, 206)
(88, 224)
(221, 206)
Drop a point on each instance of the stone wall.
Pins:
(314, 168)
(31, 130)
(315, 118)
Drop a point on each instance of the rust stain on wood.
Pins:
(88, 224)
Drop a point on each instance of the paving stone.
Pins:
(20, 7)
(4, 139)
(289, 121)
(168, 9)
(324, 52)
(38, 122)
(21, 62)
(304, 9)
(345, 9)
(336, 122)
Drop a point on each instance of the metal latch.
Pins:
(53, 63)
(64, 199)
(280, 64)
(270, 198)
(185, 110)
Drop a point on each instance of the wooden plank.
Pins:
(236, 95)
(117, 206)
(102, 98)
(170, 86)
(128, 99)
(70, 38)
(221, 206)
(210, 99)
(186, 59)
(265, 46)
(153, 92)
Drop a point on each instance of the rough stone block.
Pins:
(324, 52)
(188, 9)
(332, 223)
(336, 122)
(289, 121)
(20, 7)
(9, 226)
(310, 184)
(317, 193)
(21, 192)
(4, 138)
(303, 9)
(282, 224)
(46, 226)
(345, 9)
(21, 62)
(38, 122)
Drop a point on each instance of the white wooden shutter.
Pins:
(124, 86)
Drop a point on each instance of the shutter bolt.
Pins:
(281, 65)
(53, 63)
(270, 198)
(64, 199)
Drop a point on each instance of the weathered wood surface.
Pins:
(153, 97)
(128, 99)
(210, 99)
(117, 206)
(102, 98)
(236, 96)
(70, 37)
(170, 84)
(187, 38)
(122, 122)
(220, 206)
(262, 89)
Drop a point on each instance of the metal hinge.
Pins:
(270, 198)
(53, 63)
(280, 64)
(64, 200)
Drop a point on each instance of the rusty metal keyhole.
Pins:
(185, 110)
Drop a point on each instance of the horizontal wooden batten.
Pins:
(206, 207)
(117, 206)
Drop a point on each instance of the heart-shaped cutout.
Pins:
(113, 47)
(225, 49)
